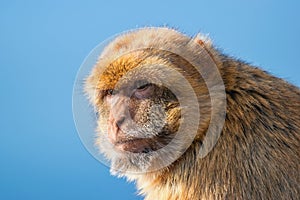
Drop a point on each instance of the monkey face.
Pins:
(137, 116)
(138, 113)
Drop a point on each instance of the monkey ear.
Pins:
(203, 40)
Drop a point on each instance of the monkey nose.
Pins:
(114, 128)
(116, 121)
(120, 121)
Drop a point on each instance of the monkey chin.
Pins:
(125, 163)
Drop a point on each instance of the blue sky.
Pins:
(42, 45)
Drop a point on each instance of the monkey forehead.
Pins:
(112, 73)
(106, 77)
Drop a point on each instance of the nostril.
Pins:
(120, 121)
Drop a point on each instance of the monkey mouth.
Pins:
(129, 144)
(138, 145)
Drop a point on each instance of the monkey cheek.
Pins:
(111, 135)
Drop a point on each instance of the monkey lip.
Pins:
(138, 145)
(125, 144)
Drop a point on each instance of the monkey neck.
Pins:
(184, 179)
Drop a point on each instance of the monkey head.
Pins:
(151, 100)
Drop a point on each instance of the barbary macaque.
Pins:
(187, 122)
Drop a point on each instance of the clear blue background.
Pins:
(42, 45)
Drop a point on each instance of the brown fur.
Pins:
(257, 154)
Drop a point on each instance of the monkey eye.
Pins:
(141, 84)
(106, 93)
(143, 87)
(144, 90)
(110, 92)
